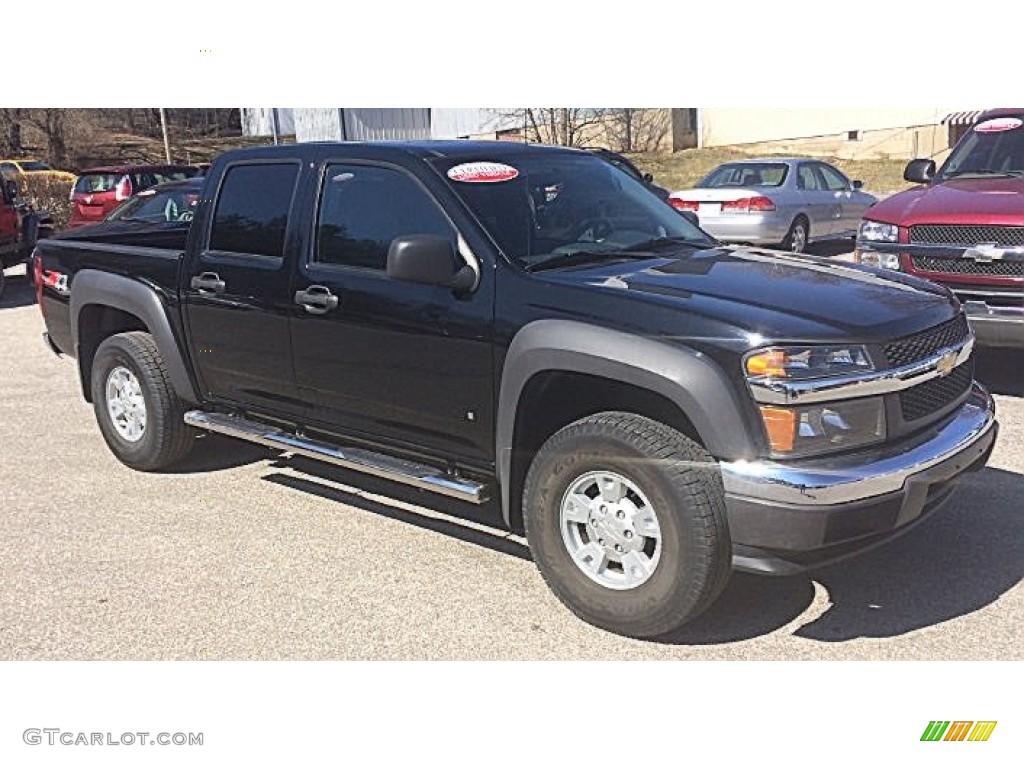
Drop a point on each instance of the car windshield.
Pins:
(992, 148)
(746, 175)
(158, 206)
(553, 207)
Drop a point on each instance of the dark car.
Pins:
(623, 163)
(158, 217)
(529, 324)
(98, 191)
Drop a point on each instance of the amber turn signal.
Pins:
(780, 426)
(771, 362)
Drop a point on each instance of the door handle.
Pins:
(208, 282)
(317, 299)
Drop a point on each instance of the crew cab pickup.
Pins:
(531, 325)
(963, 226)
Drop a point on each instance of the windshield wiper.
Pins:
(657, 243)
(575, 258)
(983, 172)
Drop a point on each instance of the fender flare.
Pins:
(684, 376)
(91, 286)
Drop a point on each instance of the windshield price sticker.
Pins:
(482, 173)
(999, 124)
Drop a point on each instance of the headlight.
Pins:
(881, 260)
(796, 363)
(824, 427)
(877, 232)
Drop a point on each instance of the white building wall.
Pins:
(258, 121)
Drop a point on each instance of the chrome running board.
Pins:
(357, 459)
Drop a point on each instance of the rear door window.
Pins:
(251, 216)
(807, 179)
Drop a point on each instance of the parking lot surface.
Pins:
(244, 553)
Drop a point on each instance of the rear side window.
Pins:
(362, 209)
(252, 209)
(92, 183)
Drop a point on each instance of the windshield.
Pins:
(746, 175)
(992, 148)
(158, 206)
(34, 165)
(554, 205)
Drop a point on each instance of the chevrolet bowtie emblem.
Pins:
(946, 363)
(985, 252)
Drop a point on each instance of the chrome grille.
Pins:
(932, 396)
(966, 234)
(969, 266)
(927, 343)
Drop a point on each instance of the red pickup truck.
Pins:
(963, 226)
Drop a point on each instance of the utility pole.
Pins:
(167, 143)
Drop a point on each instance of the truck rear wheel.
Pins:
(139, 413)
(625, 518)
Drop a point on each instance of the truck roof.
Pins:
(453, 148)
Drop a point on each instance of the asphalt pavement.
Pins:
(245, 553)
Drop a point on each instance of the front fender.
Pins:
(685, 376)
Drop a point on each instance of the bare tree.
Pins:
(565, 126)
(635, 129)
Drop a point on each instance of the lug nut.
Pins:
(604, 509)
(629, 534)
(621, 515)
(618, 547)
(601, 542)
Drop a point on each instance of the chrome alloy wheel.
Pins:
(610, 530)
(126, 404)
(799, 238)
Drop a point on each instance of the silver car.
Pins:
(786, 202)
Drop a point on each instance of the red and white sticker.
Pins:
(482, 173)
(999, 124)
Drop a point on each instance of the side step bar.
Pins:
(360, 460)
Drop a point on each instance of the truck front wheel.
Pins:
(139, 413)
(625, 518)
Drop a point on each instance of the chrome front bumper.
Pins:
(787, 517)
(996, 326)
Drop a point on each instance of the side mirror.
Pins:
(919, 171)
(430, 260)
(648, 177)
(857, 184)
(691, 217)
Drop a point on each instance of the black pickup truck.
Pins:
(530, 324)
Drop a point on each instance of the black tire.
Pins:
(793, 241)
(3, 280)
(684, 486)
(166, 438)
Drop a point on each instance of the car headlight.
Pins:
(876, 231)
(823, 427)
(811, 362)
(880, 260)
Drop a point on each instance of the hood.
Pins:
(957, 201)
(777, 295)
